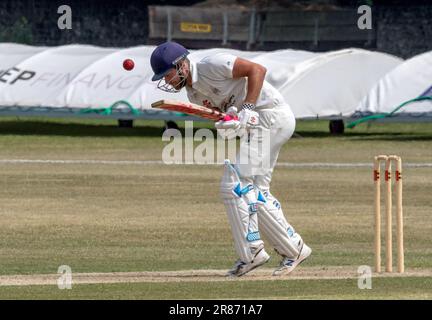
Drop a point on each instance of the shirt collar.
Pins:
(194, 72)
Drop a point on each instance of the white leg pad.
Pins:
(241, 206)
(275, 228)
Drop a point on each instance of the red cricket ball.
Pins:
(128, 64)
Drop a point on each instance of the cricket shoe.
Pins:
(240, 268)
(287, 265)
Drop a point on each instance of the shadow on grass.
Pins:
(395, 137)
(367, 136)
(95, 129)
(16, 127)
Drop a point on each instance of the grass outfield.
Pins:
(123, 218)
(385, 288)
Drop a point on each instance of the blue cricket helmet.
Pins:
(165, 57)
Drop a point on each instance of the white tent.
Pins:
(333, 83)
(411, 79)
(281, 64)
(81, 76)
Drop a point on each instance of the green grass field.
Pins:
(388, 288)
(133, 217)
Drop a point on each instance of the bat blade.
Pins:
(189, 108)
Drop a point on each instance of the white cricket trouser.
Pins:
(251, 200)
(276, 126)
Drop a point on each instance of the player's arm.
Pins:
(255, 74)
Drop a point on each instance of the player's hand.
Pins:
(248, 118)
(229, 126)
(228, 122)
(232, 111)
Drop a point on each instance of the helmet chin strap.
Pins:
(168, 87)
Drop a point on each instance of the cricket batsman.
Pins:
(258, 112)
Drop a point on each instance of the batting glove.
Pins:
(229, 127)
(248, 118)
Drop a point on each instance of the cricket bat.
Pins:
(190, 108)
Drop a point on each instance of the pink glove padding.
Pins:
(228, 122)
(229, 117)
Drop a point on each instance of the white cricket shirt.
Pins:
(214, 86)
